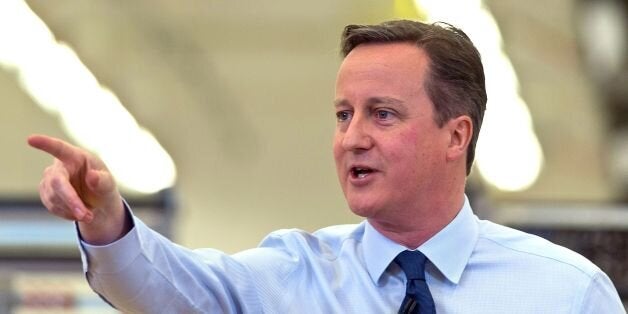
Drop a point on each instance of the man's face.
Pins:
(388, 149)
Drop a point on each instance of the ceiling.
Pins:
(240, 94)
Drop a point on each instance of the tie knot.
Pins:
(412, 263)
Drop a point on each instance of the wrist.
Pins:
(107, 226)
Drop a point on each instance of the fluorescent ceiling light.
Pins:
(509, 155)
(53, 75)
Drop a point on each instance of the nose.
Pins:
(357, 136)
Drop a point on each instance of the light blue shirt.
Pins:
(475, 266)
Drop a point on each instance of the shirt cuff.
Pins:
(115, 256)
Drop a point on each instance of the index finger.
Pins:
(53, 146)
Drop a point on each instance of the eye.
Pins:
(343, 116)
(383, 114)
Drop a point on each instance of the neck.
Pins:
(421, 224)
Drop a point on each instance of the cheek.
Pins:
(410, 154)
(406, 147)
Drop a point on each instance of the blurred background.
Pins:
(216, 118)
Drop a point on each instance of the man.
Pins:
(409, 102)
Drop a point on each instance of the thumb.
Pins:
(100, 182)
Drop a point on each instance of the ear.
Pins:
(460, 132)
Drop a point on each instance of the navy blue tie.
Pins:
(418, 298)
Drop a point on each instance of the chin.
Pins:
(362, 208)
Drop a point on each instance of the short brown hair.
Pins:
(455, 80)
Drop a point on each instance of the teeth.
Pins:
(360, 173)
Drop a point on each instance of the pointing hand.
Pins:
(78, 186)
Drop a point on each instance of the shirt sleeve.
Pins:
(601, 297)
(145, 272)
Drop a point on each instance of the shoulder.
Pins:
(286, 251)
(511, 243)
(560, 276)
(328, 240)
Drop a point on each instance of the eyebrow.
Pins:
(372, 101)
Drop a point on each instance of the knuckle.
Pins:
(56, 210)
(50, 170)
(55, 183)
(63, 214)
(56, 200)
(47, 203)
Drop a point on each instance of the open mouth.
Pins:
(360, 172)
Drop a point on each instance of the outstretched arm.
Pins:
(78, 186)
(142, 272)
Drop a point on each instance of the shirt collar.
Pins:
(379, 251)
(449, 250)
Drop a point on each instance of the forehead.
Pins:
(392, 69)
(385, 57)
